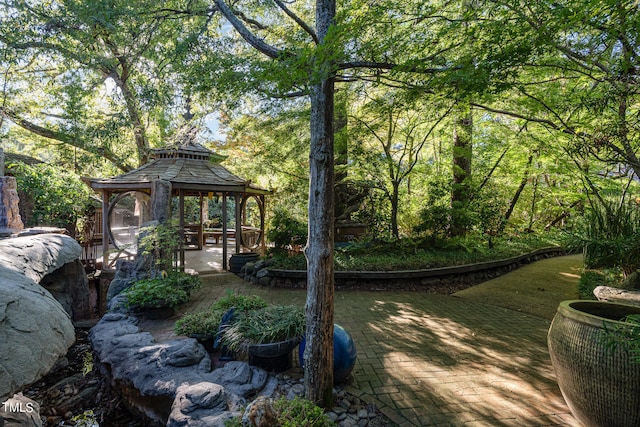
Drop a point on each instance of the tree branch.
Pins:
(298, 21)
(62, 137)
(252, 39)
(547, 122)
(393, 66)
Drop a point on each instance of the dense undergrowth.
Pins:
(412, 254)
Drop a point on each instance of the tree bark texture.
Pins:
(516, 196)
(318, 355)
(462, 155)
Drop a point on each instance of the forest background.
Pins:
(449, 119)
(455, 116)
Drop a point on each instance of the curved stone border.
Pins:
(437, 280)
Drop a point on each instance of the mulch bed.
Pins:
(69, 394)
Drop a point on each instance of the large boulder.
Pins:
(35, 329)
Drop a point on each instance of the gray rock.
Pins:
(186, 353)
(264, 281)
(348, 422)
(607, 293)
(240, 378)
(128, 272)
(262, 273)
(35, 329)
(203, 404)
(344, 403)
(20, 411)
(297, 390)
(249, 268)
(70, 286)
(260, 413)
(154, 373)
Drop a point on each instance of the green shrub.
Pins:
(155, 293)
(591, 279)
(588, 282)
(200, 323)
(609, 236)
(161, 242)
(182, 280)
(300, 412)
(410, 254)
(240, 302)
(297, 412)
(626, 335)
(286, 230)
(208, 322)
(54, 196)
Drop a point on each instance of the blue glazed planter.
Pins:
(344, 353)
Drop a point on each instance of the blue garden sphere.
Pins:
(344, 353)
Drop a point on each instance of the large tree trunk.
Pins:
(462, 155)
(318, 354)
(395, 202)
(516, 196)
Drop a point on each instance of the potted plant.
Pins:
(201, 325)
(205, 325)
(268, 335)
(159, 297)
(595, 348)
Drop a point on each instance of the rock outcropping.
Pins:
(611, 294)
(172, 382)
(35, 329)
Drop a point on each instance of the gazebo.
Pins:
(194, 175)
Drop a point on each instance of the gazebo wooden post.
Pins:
(106, 195)
(237, 197)
(181, 227)
(263, 203)
(224, 231)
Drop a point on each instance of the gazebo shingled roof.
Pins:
(187, 167)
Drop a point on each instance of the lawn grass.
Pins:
(416, 254)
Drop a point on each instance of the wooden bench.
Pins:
(216, 234)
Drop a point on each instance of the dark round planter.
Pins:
(600, 384)
(344, 354)
(272, 357)
(237, 261)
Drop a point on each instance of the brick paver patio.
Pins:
(433, 360)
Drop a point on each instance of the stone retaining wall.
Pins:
(443, 280)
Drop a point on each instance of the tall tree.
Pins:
(392, 133)
(318, 357)
(583, 83)
(462, 154)
(91, 75)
